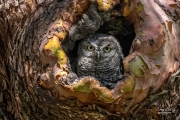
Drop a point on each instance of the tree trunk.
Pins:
(26, 29)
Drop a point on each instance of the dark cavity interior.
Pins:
(119, 28)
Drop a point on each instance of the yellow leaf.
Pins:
(62, 58)
(126, 1)
(139, 7)
(128, 84)
(61, 35)
(104, 5)
(126, 10)
(52, 45)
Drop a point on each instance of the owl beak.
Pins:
(98, 55)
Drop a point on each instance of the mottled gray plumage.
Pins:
(100, 56)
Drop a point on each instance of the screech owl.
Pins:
(100, 56)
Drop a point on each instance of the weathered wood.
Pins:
(24, 24)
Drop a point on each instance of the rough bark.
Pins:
(24, 25)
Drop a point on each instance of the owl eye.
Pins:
(90, 47)
(107, 49)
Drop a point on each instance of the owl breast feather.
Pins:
(105, 72)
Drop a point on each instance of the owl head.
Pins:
(100, 47)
